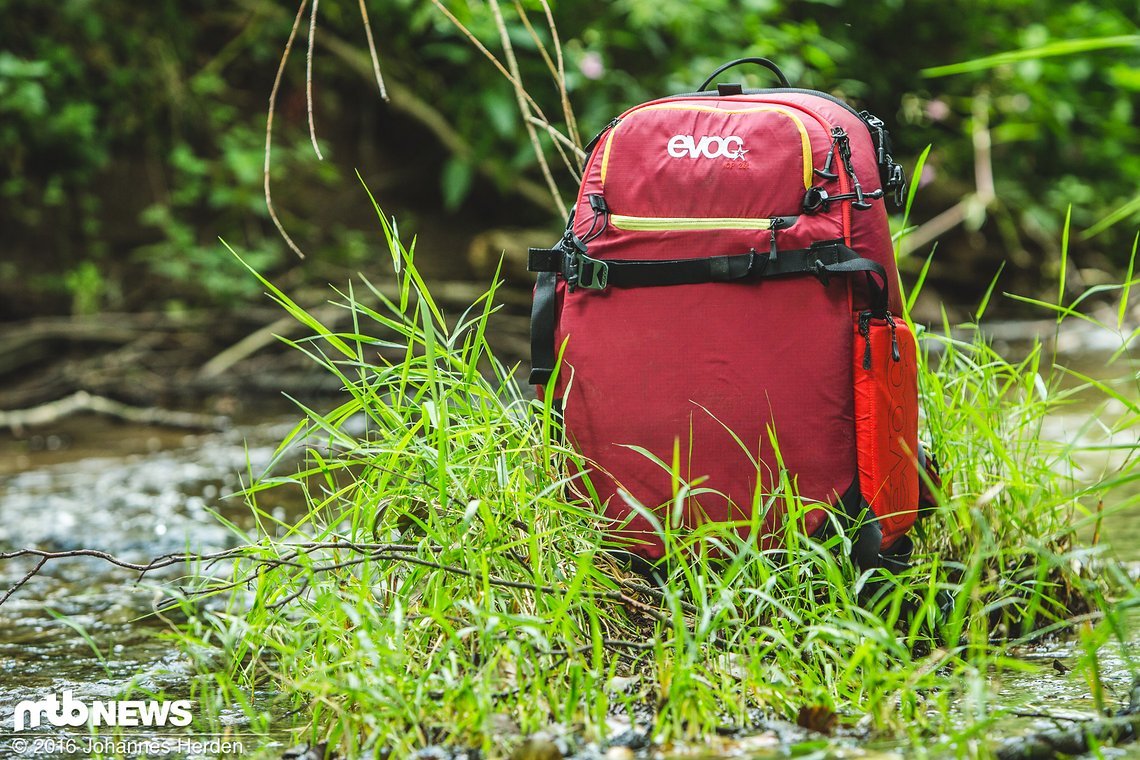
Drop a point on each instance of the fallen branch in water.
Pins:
(1079, 739)
(370, 552)
(81, 401)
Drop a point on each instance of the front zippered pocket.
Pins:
(695, 148)
(673, 160)
(884, 369)
(683, 223)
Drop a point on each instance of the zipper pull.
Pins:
(826, 172)
(601, 211)
(894, 339)
(865, 331)
(844, 143)
(590, 145)
(774, 224)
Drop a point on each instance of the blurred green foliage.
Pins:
(131, 134)
(131, 138)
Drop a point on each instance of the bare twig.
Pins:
(208, 560)
(405, 100)
(309, 79)
(550, 65)
(556, 67)
(27, 577)
(269, 130)
(561, 140)
(372, 51)
(406, 553)
(522, 99)
(478, 45)
(82, 401)
(527, 104)
(567, 110)
(291, 597)
(637, 646)
(984, 193)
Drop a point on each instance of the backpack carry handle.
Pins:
(759, 61)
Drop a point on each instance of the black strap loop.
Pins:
(759, 61)
(543, 313)
(879, 290)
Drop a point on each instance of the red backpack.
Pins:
(726, 289)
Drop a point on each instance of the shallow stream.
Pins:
(82, 626)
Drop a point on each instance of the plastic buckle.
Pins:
(580, 270)
(592, 274)
(816, 199)
(897, 181)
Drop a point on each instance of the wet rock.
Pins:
(630, 738)
(308, 752)
(445, 753)
(537, 748)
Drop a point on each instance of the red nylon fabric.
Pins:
(886, 421)
(716, 370)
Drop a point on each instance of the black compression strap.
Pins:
(628, 274)
(542, 316)
(821, 259)
(570, 261)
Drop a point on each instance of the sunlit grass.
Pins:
(442, 588)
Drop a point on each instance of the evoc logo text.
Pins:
(709, 146)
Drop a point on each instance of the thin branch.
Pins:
(372, 52)
(406, 100)
(369, 552)
(18, 584)
(475, 41)
(567, 110)
(309, 79)
(524, 108)
(641, 646)
(550, 65)
(558, 146)
(984, 193)
(82, 401)
(530, 106)
(557, 70)
(291, 598)
(561, 140)
(269, 130)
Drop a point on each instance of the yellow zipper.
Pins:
(677, 223)
(805, 141)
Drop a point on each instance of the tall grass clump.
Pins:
(441, 586)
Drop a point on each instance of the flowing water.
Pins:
(81, 626)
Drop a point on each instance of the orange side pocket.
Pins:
(886, 420)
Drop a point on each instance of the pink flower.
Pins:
(591, 66)
(937, 110)
(929, 174)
